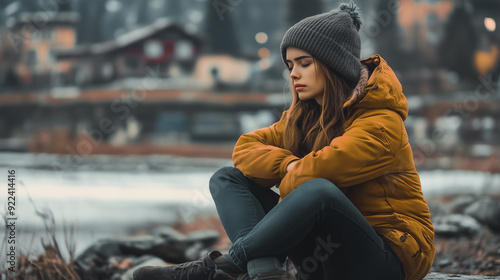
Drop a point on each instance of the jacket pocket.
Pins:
(407, 250)
(408, 245)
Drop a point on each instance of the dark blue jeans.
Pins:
(316, 226)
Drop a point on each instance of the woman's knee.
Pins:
(319, 189)
(221, 178)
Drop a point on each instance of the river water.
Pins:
(103, 196)
(110, 196)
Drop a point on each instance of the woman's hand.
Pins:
(291, 165)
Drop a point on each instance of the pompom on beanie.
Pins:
(332, 38)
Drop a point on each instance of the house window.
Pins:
(51, 58)
(32, 57)
(50, 35)
(153, 49)
(107, 71)
(432, 32)
(171, 121)
(82, 75)
(183, 50)
(36, 35)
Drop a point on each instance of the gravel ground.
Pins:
(478, 255)
(443, 276)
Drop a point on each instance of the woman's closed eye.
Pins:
(303, 66)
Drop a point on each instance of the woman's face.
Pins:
(303, 75)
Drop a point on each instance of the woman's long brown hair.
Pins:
(311, 126)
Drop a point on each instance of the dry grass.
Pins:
(50, 265)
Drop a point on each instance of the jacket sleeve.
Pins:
(260, 157)
(362, 153)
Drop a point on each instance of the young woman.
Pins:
(350, 203)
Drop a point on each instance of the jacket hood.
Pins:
(382, 89)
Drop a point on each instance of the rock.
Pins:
(446, 230)
(442, 276)
(168, 233)
(150, 262)
(459, 204)
(436, 208)
(170, 245)
(206, 237)
(97, 259)
(456, 225)
(116, 276)
(444, 262)
(141, 259)
(487, 211)
(97, 254)
(168, 250)
(108, 259)
(165, 243)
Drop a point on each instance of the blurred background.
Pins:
(189, 77)
(111, 110)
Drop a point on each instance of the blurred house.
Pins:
(163, 47)
(29, 45)
(149, 90)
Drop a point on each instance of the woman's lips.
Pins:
(299, 87)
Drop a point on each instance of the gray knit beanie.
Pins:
(332, 38)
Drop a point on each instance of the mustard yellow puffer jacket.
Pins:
(372, 163)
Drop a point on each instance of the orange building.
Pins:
(34, 37)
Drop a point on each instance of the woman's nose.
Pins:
(294, 73)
